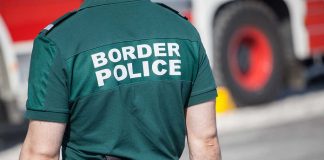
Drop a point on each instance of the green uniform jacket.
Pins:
(120, 73)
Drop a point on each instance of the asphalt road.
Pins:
(300, 140)
(11, 135)
(289, 129)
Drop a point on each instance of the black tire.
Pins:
(230, 19)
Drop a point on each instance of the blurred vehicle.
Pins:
(20, 22)
(182, 6)
(259, 47)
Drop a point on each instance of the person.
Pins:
(120, 78)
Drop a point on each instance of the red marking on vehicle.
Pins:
(188, 15)
(26, 18)
(260, 58)
(314, 22)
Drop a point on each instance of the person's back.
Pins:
(120, 73)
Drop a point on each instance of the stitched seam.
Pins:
(53, 111)
(202, 92)
(65, 67)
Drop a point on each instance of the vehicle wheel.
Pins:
(247, 49)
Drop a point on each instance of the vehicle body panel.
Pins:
(315, 25)
(25, 18)
(306, 24)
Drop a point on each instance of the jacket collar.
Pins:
(92, 3)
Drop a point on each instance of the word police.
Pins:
(150, 61)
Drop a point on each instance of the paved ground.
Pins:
(10, 139)
(300, 140)
(288, 129)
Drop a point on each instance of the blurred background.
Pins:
(267, 57)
